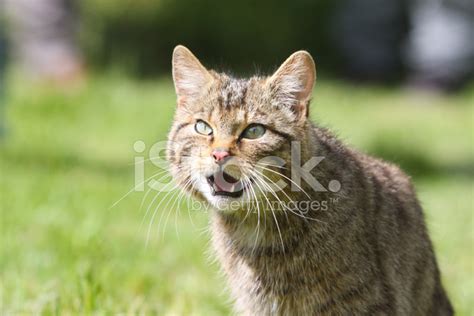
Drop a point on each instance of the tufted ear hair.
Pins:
(293, 82)
(189, 75)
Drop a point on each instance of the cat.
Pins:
(364, 248)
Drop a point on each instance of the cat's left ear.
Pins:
(293, 82)
(190, 77)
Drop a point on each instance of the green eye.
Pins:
(203, 128)
(253, 131)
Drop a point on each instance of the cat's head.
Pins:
(225, 128)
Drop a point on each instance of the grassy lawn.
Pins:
(67, 157)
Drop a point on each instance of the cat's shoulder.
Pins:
(388, 176)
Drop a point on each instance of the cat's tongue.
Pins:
(225, 182)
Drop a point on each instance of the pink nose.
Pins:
(219, 155)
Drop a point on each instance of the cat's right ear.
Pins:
(190, 77)
(293, 82)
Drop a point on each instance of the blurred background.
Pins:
(82, 81)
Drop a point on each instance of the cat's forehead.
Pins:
(232, 102)
(232, 92)
(236, 100)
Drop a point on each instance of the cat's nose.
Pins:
(220, 155)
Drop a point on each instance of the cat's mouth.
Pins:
(224, 184)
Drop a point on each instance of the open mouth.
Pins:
(224, 184)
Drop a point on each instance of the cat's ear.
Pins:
(293, 82)
(190, 77)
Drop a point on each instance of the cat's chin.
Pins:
(225, 202)
(224, 192)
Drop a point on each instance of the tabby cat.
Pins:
(361, 248)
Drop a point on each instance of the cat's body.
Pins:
(372, 254)
(366, 251)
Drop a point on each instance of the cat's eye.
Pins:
(253, 131)
(203, 128)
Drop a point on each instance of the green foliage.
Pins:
(67, 157)
(139, 35)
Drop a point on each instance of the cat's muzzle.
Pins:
(222, 183)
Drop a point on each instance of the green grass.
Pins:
(68, 156)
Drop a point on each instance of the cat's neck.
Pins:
(254, 236)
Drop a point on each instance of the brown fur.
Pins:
(368, 252)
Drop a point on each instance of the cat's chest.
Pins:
(267, 271)
(273, 286)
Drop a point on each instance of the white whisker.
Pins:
(155, 211)
(289, 179)
(257, 178)
(288, 197)
(135, 187)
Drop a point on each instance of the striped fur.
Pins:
(367, 253)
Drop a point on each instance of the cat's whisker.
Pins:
(251, 199)
(257, 229)
(162, 159)
(141, 205)
(174, 198)
(166, 187)
(289, 179)
(270, 165)
(258, 178)
(190, 217)
(155, 211)
(156, 196)
(178, 207)
(203, 230)
(178, 210)
(270, 189)
(273, 214)
(164, 211)
(176, 213)
(189, 213)
(144, 198)
(288, 197)
(300, 214)
(134, 189)
(246, 183)
(291, 200)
